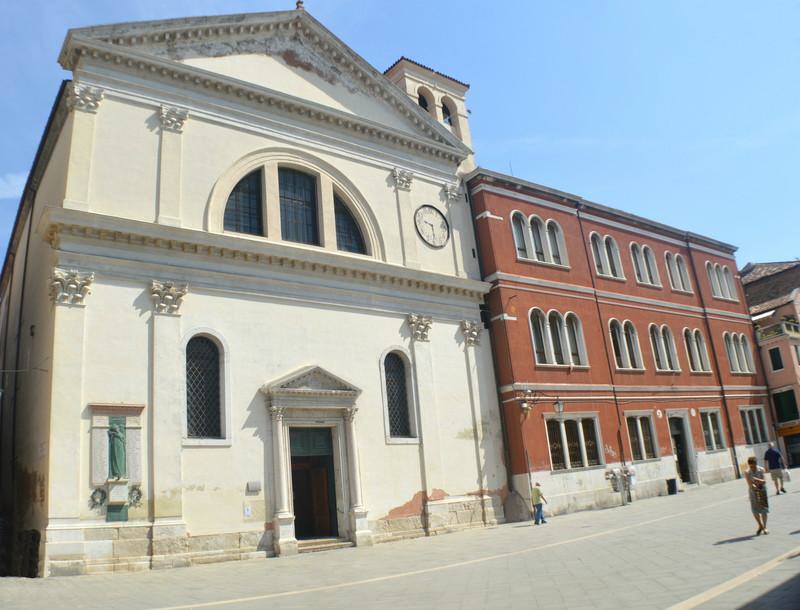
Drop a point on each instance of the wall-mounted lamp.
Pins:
(527, 401)
(558, 406)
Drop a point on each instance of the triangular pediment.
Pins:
(311, 380)
(289, 53)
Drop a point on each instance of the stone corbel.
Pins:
(70, 287)
(471, 332)
(85, 98)
(420, 326)
(402, 178)
(167, 297)
(172, 119)
(451, 191)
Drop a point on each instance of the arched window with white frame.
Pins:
(537, 231)
(638, 263)
(632, 345)
(244, 208)
(520, 230)
(724, 291)
(733, 356)
(577, 346)
(672, 271)
(538, 329)
(713, 280)
(669, 349)
(348, 234)
(203, 389)
(557, 337)
(618, 345)
(659, 353)
(612, 252)
(747, 354)
(691, 350)
(728, 279)
(555, 238)
(396, 387)
(650, 267)
(702, 351)
(598, 251)
(683, 273)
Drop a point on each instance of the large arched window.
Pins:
(618, 343)
(577, 348)
(658, 348)
(557, 338)
(683, 273)
(733, 357)
(396, 378)
(298, 194)
(203, 398)
(554, 238)
(447, 115)
(669, 349)
(696, 350)
(614, 264)
(348, 235)
(702, 351)
(243, 211)
(423, 101)
(650, 266)
(728, 280)
(538, 333)
(632, 345)
(597, 252)
(638, 263)
(537, 230)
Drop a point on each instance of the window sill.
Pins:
(700, 372)
(681, 291)
(717, 450)
(398, 440)
(649, 285)
(533, 261)
(630, 370)
(613, 278)
(570, 367)
(669, 371)
(743, 373)
(206, 442)
(579, 469)
(651, 460)
(726, 299)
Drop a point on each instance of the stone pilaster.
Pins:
(84, 102)
(284, 540)
(169, 172)
(402, 180)
(359, 526)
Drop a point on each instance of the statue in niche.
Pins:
(116, 450)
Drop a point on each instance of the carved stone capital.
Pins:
(167, 297)
(471, 332)
(172, 119)
(420, 326)
(402, 178)
(350, 414)
(70, 287)
(85, 98)
(277, 413)
(451, 191)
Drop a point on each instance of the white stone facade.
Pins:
(127, 239)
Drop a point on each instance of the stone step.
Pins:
(315, 545)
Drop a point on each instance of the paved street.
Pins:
(695, 549)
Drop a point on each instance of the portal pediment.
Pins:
(313, 387)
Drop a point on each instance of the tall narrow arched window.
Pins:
(618, 343)
(538, 330)
(203, 415)
(447, 115)
(733, 357)
(597, 251)
(556, 325)
(537, 229)
(691, 350)
(747, 354)
(518, 228)
(554, 238)
(575, 337)
(632, 345)
(612, 251)
(298, 194)
(683, 273)
(728, 279)
(669, 348)
(423, 101)
(650, 266)
(702, 352)
(659, 353)
(638, 267)
(243, 211)
(397, 395)
(348, 235)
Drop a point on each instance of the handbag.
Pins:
(787, 478)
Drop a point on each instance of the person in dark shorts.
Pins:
(775, 466)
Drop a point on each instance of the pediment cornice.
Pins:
(129, 47)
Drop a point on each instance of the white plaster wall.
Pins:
(714, 466)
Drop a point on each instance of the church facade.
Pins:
(241, 304)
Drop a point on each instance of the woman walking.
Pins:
(757, 485)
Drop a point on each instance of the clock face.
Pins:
(432, 226)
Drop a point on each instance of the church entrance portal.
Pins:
(313, 483)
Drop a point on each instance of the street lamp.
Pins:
(558, 406)
(527, 401)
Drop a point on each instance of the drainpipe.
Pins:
(714, 354)
(609, 353)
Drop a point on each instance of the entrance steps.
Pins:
(315, 545)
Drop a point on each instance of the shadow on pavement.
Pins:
(732, 540)
(785, 595)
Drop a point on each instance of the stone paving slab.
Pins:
(651, 554)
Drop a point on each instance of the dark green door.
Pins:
(313, 483)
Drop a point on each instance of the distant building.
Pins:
(618, 341)
(773, 294)
(240, 310)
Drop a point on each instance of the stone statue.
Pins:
(116, 451)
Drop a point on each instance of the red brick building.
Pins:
(618, 341)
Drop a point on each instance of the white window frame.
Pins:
(529, 242)
(717, 413)
(602, 266)
(780, 356)
(226, 425)
(411, 395)
(566, 344)
(579, 417)
(640, 415)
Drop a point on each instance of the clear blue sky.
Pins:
(685, 112)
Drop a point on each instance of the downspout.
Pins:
(503, 424)
(609, 355)
(714, 354)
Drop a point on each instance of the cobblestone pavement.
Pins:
(695, 549)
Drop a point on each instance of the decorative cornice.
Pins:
(172, 119)
(434, 140)
(277, 413)
(471, 332)
(167, 297)
(451, 191)
(60, 224)
(402, 178)
(420, 326)
(70, 287)
(82, 97)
